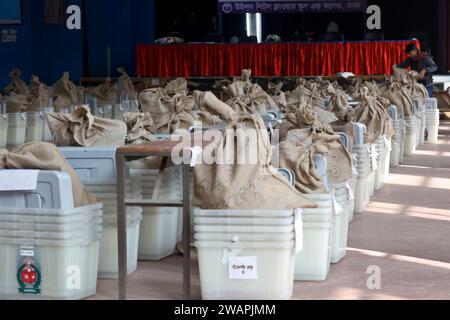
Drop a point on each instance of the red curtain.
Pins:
(288, 59)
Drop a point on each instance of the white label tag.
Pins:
(18, 180)
(351, 193)
(298, 229)
(26, 252)
(243, 268)
(337, 208)
(196, 151)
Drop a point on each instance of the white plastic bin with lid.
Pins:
(432, 119)
(313, 262)
(108, 263)
(35, 127)
(95, 165)
(270, 268)
(411, 134)
(340, 229)
(3, 130)
(265, 237)
(17, 126)
(159, 227)
(53, 191)
(42, 265)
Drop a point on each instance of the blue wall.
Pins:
(49, 50)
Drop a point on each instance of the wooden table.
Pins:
(162, 148)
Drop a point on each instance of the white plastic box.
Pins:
(35, 127)
(108, 263)
(3, 130)
(17, 124)
(313, 262)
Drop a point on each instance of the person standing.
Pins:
(422, 63)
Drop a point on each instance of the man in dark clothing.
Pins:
(422, 63)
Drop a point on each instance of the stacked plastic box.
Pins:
(364, 165)
(48, 248)
(397, 139)
(411, 135)
(159, 226)
(383, 146)
(432, 119)
(246, 255)
(96, 168)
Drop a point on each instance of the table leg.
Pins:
(122, 226)
(186, 234)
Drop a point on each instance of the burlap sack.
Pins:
(17, 103)
(302, 93)
(65, 93)
(244, 186)
(81, 128)
(297, 153)
(125, 85)
(140, 127)
(171, 108)
(17, 85)
(105, 93)
(39, 95)
(274, 89)
(45, 156)
(397, 94)
(247, 96)
(373, 114)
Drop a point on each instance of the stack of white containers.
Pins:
(397, 139)
(423, 123)
(48, 248)
(313, 262)
(35, 127)
(159, 227)
(364, 169)
(96, 168)
(3, 125)
(247, 255)
(383, 146)
(432, 119)
(17, 126)
(411, 135)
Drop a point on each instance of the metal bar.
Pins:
(121, 226)
(152, 203)
(186, 233)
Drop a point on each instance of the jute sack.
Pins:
(397, 94)
(297, 153)
(81, 128)
(105, 93)
(247, 96)
(39, 95)
(65, 93)
(238, 184)
(125, 85)
(274, 89)
(45, 156)
(140, 127)
(17, 85)
(371, 113)
(17, 103)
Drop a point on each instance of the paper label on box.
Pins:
(26, 251)
(18, 180)
(243, 268)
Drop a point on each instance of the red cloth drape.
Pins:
(287, 59)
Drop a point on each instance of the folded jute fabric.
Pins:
(238, 184)
(45, 156)
(125, 85)
(81, 128)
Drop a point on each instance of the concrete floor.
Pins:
(405, 231)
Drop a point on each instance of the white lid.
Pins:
(245, 213)
(244, 221)
(243, 237)
(52, 212)
(244, 229)
(245, 245)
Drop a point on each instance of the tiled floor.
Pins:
(405, 231)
